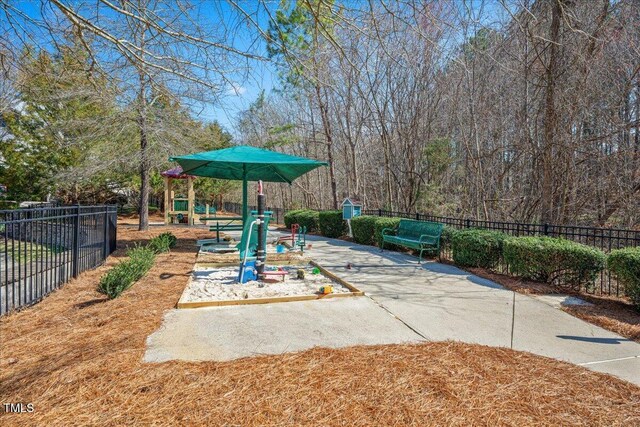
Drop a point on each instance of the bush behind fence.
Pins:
(43, 248)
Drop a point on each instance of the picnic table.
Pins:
(223, 223)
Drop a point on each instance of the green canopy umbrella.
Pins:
(245, 164)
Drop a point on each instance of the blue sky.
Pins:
(247, 84)
(261, 75)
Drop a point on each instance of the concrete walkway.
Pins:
(232, 332)
(442, 302)
(405, 302)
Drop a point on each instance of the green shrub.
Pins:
(477, 248)
(447, 236)
(125, 274)
(304, 217)
(162, 243)
(331, 223)
(291, 217)
(624, 264)
(364, 229)
(367, 230)
(552, 260)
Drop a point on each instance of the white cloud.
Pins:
(236, 89)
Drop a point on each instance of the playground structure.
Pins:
(298, 237)
(180, 210)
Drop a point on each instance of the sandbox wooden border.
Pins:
(355, 292)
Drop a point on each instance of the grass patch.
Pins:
(24, 252)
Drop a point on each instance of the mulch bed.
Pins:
(78, 358)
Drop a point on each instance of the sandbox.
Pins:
(215, 284)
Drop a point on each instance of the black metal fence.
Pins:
(43, 248)
(605, 239)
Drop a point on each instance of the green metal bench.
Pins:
(419, 235)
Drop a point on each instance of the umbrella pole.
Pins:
(261, 255)
(245, 208)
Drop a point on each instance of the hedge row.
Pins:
(553, 260)
(624, 264)
(141, 259)
(304, 217)
(477, 248)
(331, 224)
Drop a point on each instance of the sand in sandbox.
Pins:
(221, 284)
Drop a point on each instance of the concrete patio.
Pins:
(405, 302)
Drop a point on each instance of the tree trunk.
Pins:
(327, 132)
(144, 163)
(145, 166)
(550, 119)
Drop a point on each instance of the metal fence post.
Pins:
(379, 212)
(76, 242)
(105, 235)
(546, 229)
(467, 223)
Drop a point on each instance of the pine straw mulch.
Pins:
(77, 358)
(613, 314)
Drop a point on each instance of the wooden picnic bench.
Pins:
(419, 235)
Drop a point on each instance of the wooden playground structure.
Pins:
(180, 210)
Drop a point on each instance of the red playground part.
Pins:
(292, 237)
(272, 274)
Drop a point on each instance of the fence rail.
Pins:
(43, 248)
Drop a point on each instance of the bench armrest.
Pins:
(387, 231)
(435, 237)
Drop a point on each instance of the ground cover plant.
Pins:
(76, 371)
(477, 248)
(163, 242)
(552, 260)
(141, 259)
(625, 266)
